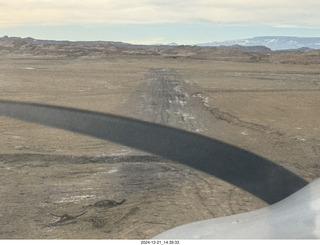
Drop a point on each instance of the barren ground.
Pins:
(56, 184)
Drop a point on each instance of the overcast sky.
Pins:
(158, 21)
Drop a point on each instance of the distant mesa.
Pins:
(251, 49)
(273, 42)
(285, 50)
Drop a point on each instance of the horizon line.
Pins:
(173, 43)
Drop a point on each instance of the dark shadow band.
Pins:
(259, 176)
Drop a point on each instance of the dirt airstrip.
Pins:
(58, 184)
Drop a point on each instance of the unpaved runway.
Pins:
(58, 195)
(66, 185)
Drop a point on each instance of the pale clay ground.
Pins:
(52, 181)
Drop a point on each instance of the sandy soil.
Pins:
(59, 184)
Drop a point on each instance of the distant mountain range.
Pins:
(259, 49)
(273, 42)
(262, 44)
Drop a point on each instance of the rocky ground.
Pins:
(60, 184)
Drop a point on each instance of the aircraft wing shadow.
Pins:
(257, 175)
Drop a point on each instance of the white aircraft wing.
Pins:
(295, 217)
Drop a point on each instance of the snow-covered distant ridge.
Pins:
(272, 42)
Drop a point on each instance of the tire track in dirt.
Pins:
(166, 101)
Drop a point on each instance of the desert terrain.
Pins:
(58, 183)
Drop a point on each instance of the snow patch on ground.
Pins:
(75, 198)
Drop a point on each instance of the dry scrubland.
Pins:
(59, 184)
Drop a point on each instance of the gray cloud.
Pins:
(271, 12)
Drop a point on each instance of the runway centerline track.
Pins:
(166, 101)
